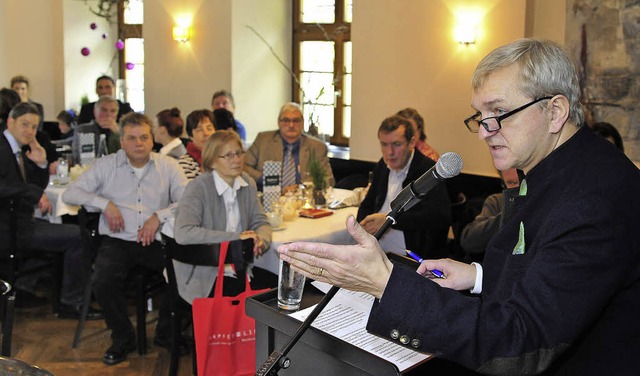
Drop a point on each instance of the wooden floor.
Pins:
(44, 340)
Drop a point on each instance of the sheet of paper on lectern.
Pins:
(345, 317)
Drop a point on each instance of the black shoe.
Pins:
(26, 299)
(118, 352)
(67, 311)
(183, 347)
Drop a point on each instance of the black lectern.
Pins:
(317, 353)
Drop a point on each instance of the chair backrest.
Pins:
(240, 252)
(89, 222)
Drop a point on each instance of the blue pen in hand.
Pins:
(435, 272)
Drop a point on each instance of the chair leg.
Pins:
(83, 315)
(7, 323)
(141, 314)
(175, 334)
(58, 265)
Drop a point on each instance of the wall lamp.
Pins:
(181, 33)
(465, 34)
(466, 28)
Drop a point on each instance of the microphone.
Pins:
(448, 166)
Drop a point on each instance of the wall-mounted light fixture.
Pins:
(466, 29)
(181, 33)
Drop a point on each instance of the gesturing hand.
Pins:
(361, 267)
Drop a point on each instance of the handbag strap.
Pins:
(223, 256)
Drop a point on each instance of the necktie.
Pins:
(21, 165)
(288, 168)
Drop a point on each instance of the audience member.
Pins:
(219, 205)
(223, 119)
(424, 228)
(288, 145)
(560, 281)
(609, 133)
(21, 86)
(8, 99)
(105, 131)
(66, 126)
(200, 126)
(476, 234)
(224, 99)
(24, 177)
(105, 86)
(168, 131)
(418, 129)
(137, 191)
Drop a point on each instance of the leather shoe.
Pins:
(67, 311)
(183, 347)
(118, 352)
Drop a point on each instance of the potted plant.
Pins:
(319, 176)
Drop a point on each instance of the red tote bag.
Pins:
(225, 336)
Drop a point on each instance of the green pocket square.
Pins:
(519, 248)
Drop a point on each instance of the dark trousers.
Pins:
(63, 238)
(115, 260)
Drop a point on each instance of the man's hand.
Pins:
(147, 233)
(258, 244)
(460, 276)
(114, 217)
(361, 267)
(372, 222)
(44, 204)
(37, 153)
(111, 125)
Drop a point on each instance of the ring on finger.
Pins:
(320, 271)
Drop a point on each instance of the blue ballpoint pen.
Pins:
(435, 272)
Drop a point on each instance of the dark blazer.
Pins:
(425, 225)
(12, 186)
(569, 304)
(86, 112)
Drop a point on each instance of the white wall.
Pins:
(404, 55)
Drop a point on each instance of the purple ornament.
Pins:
(85, 51)
(93, 26)
(120, 44)
(130, 66)
(105, 35)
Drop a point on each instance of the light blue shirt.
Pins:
(112, 178)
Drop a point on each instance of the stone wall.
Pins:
(604, 39)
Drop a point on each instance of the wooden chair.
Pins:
(145, 284)
(240, 251)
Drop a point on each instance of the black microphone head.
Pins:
(449, 165)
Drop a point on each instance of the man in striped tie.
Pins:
(289, 145)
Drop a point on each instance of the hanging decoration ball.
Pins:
(130, 66)
(93, 26)
(105, 35)
(119, 44)
(85, 51)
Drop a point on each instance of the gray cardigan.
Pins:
(201, 219)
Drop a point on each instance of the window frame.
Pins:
(339, 32)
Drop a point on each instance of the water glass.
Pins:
(290, 287)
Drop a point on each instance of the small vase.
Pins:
(318, 199)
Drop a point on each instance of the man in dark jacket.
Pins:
(424, 228)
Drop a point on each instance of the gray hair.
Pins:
(546, 68)
(291, 106)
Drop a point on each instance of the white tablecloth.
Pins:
(58, 207)
(331, 229)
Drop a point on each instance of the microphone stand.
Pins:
(278, 359)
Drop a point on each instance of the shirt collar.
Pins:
(296, 144)
(222, 186)
(15, 148)
(168, 147)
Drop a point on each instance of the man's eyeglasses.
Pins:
(229, 156)
(492, 123)
(288, 120)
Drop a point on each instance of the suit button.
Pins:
(415, 343)
(395, 334)
(404, 339)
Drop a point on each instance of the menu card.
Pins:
(271, 171)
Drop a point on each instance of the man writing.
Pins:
(422, 229)
(137, 191)
(560, 281)
(288, 145)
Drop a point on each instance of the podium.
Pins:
(317, 353)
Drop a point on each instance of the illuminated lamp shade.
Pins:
(181, 34)
(465, 33)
